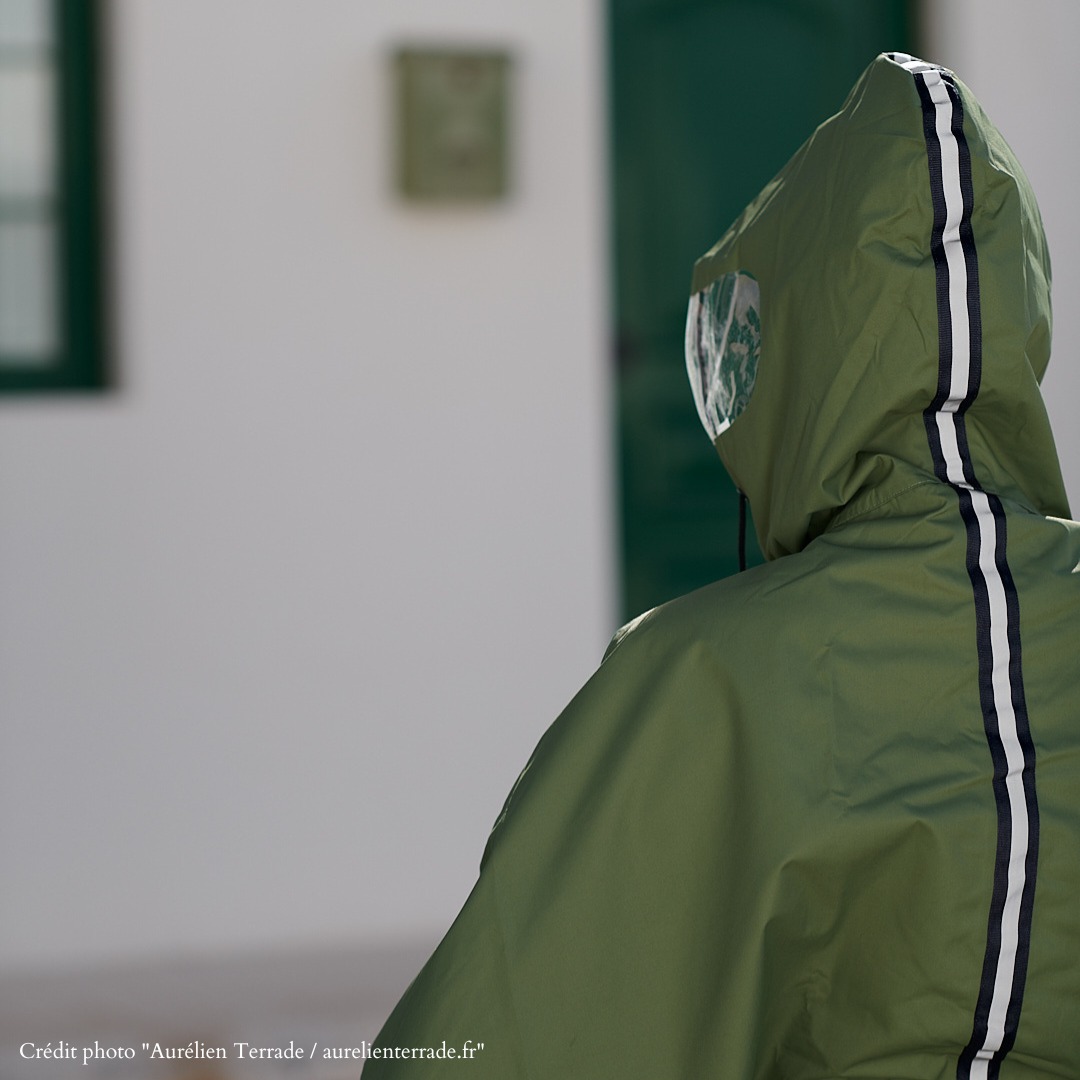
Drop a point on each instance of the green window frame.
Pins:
(51, 262)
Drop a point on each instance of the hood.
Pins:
(841, 247)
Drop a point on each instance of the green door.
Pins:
(709, 99)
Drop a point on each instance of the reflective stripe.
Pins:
(997, 610)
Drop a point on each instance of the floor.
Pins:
(173, 1020)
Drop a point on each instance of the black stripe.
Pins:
(941, 268)
(1001, 795)
(979, 585)
(1023, 731)
(941, 275)
(971, 266)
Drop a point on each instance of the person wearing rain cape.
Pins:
(821, 819)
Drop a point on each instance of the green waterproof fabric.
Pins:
(762, 840)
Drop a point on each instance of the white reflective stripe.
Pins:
(913, 63)
(957, 269)
(950, 448)
(1014, 756)
(954, 250)
(956, 264)
(1000, 654)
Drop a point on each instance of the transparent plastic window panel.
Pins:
(723, 345)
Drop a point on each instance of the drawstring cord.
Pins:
(742, 530)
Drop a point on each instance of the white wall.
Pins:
(1020, 61)
(282, 618)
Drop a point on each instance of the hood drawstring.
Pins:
(742, 530)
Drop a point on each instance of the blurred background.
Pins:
(342, 420)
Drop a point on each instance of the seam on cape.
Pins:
(844, 516)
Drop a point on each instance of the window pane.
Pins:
(25, 23)
(28, 329)
(50, 256)
(26, 129)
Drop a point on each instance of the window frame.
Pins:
(80, 291)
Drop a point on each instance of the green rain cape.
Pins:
(821, 819)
